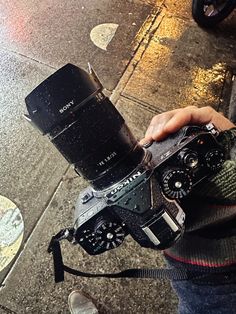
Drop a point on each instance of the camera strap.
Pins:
(176, 274)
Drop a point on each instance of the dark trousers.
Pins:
(203, 298)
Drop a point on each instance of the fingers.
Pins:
(187, 116)
(170, 122)
(158, 123)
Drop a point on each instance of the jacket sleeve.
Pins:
(210, 236)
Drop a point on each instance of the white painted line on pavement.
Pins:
(102, 34)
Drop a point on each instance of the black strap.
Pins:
(172, 274)
(159, 273)
(59, 267)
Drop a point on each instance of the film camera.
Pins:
(133, 190)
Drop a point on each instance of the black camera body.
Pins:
(146, 204)
(133, 189)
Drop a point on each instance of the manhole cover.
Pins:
(11, 231)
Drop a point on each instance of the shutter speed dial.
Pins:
(109, 235)
(176, 183)
(103, 236)
(88, 236)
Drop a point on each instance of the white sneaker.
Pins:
(80, 304)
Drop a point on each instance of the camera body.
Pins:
(133, 189)
(146, 203)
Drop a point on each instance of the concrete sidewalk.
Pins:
(171, 63)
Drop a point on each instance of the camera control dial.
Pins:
(214, 159)
(109, 235)
(188, 158)
(87, 237)
(176, 183)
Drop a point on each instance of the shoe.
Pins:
(81, 304)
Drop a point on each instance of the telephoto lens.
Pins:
(84, 125)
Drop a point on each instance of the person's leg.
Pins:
(79, 303)
(205, 295)
(200, 299)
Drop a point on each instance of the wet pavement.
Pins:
(29, 164)
(55, 33)
(189, 77)
(232, 107)
(152, 57)
(34, 40)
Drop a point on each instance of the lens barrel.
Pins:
(84, 125)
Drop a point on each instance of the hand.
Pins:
(171, 121)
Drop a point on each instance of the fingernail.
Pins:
(147, 144)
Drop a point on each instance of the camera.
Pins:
(133, 189)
